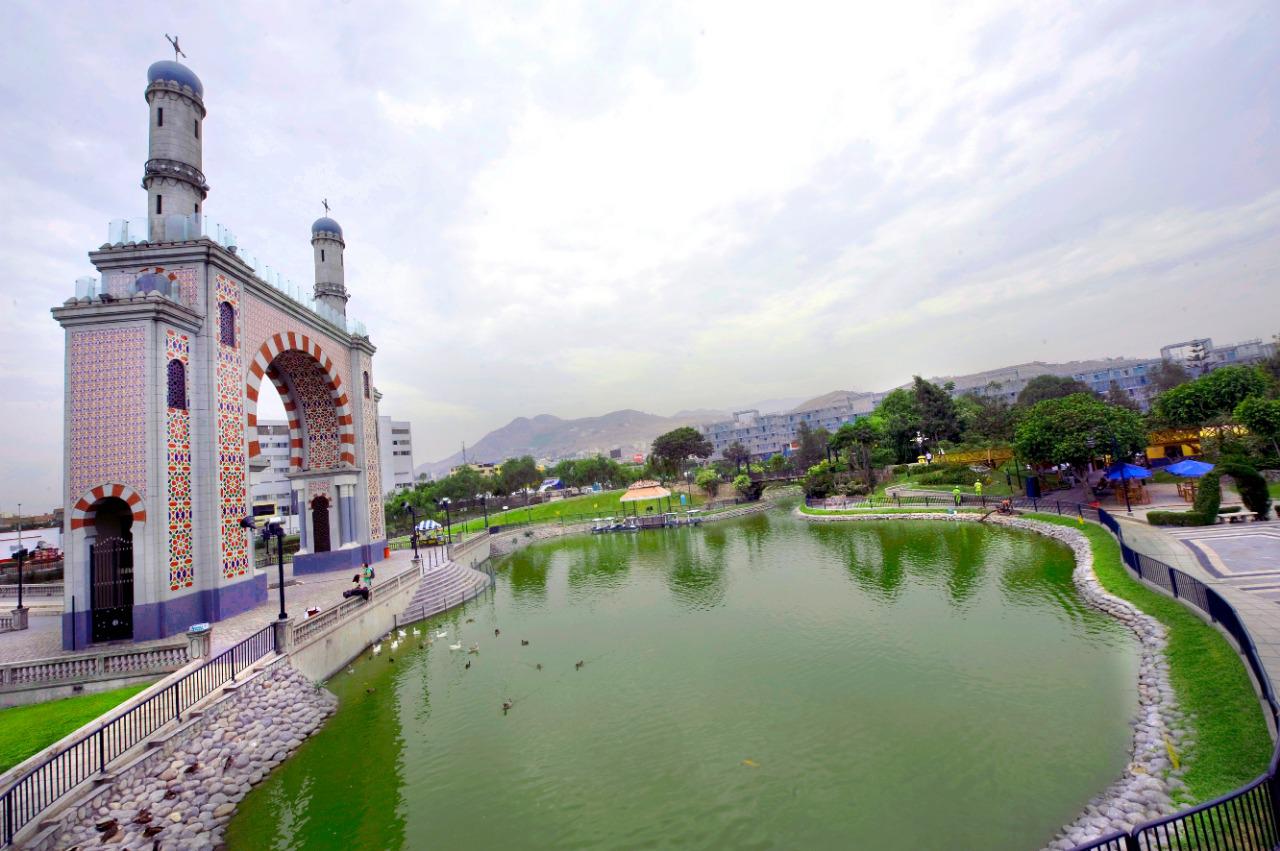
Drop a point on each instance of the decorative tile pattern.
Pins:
(372, 465)
(233, 492)
(120, 284)
(226, 324)
(310, 393)
(106, 409)
(262, 321)
(178, 439)
(317, 488)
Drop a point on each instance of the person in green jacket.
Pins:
(977, 487)
(367, 575)
(955, 492)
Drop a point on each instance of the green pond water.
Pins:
(762, 683)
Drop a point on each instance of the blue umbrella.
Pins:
(1188, 467)
(1117, 472)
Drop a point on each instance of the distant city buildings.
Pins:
(769, 434)
(395, 448)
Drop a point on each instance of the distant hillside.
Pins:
(547, 436)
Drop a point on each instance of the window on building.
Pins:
(366, 384)
(177, 381)
(226, 324)
(195, 126)
(197, 208)
(160, 116)
(159, 204)
(321, 255)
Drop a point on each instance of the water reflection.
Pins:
(697, 573)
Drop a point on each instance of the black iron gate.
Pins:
(320, 524)
(111, 589)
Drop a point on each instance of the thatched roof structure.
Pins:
(644, 489)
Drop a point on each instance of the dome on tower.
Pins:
(324, 224)
(175, 72)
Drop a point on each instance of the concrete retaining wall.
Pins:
(472, 553)
(329, 652)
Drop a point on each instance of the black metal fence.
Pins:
(29, 795)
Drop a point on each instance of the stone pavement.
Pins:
(1240, 561)
(43, 638)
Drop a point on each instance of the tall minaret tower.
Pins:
(326, 242)
(172, 177)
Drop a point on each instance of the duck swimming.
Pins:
(377, 648)
(457, 646)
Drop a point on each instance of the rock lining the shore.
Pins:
(1150, 783)
(269, 719)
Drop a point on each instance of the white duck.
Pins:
(377, 648)
(417, 631)
(475, 648)
(395, 644)
(401, 633)
(444, 633)
(457, 646)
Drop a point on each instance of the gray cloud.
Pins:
(575, 207)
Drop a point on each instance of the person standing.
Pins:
(366, 575)
(955, 493)
(977, 487)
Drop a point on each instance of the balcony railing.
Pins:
(178, 228)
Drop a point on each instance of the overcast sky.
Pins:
(572, 208)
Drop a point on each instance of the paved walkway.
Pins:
(1240, 561)
(43, 638)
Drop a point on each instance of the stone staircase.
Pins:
(443, 588)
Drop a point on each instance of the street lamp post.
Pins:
(275, 530)
(448, 524)
(22, 555)
(413, 533)
(484, 506)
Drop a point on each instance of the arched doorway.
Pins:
(111, 570)
(320, 524)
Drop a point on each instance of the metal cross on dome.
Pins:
(326, 206)
(177, 51)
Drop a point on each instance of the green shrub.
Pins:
(1176, 518)
(951, 476)
(853, 488)
(1230, 509)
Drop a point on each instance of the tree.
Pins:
(990, 419)
(1210, 397)
(899, 419)
(1262, 418)
(777, 463)
(737, 454)
(1058, 431)
(742, 484)
(1044, 387)
(673, 449)
(812, 445)
(709, 480)
(819, 480)
(1117, 396)
(516, 474)
(856, 439)
(938, 417)
(1168, 375)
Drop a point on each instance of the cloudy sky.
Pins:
(570, 208)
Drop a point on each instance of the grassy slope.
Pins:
(603, 504)
(26, 730)
(1232, 744)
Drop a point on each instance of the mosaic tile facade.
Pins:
(311, 395)
(262, 321)
(233, 491)
(178, 439)
(372, 464)
(106, 409)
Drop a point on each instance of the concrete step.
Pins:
(442, 588)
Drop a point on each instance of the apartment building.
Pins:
(395, 453)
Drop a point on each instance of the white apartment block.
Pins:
(395, 449)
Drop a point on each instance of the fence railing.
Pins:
(6, 623)
(40, 591)
(306, 630)
(96, 665)
(90, 754)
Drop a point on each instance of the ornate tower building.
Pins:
(172, 175)
(165, 359)
(327, 245)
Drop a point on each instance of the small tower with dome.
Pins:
(172, 176)
(327, 245)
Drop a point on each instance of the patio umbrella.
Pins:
(1188, 467)
(427, 525)
(1117, 472)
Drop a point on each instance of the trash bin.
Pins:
(1033, 487)
(199, 640)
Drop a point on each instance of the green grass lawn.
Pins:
(27, 730)
(877, 509)
(1232, 745)
(574, 509)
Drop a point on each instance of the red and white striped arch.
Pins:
(261, 367)
(83, 512)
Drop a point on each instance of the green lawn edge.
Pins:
(1232, 745)
(27, 730)
(887, 509)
